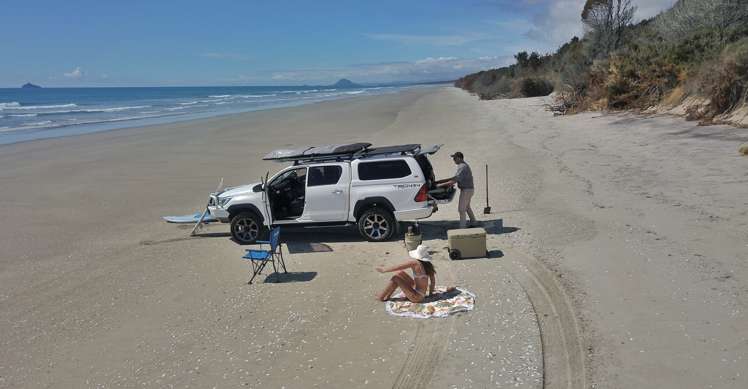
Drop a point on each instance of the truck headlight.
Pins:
(223, 201)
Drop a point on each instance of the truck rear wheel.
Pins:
(246, 227)
(377, 224)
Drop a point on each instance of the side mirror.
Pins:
(257, 188)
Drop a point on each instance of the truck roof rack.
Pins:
(340, 152)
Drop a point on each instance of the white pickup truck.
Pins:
(376, 188)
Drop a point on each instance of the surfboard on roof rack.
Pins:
(351, 148)
(411, 149)
(324, 151)
(398, 149)
(286, 154)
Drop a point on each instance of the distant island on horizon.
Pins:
(345, 83)
(29, 85)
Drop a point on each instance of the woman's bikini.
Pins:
(415, 278)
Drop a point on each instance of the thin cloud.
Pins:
(432, 60)
(76, 73)
(426, 69)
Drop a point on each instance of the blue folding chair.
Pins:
(260, 258)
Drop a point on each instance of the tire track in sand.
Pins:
(423, 357)
(563, 351)
(430, 343)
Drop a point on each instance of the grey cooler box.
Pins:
(467, 243)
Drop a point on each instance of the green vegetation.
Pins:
(697, 48)
(526, 78)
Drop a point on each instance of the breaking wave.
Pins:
(15, 106)
(44, 123)
(87, 110)
(256, 96)
(12, 104)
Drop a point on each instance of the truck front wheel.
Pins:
(246, 227)
(377, 224)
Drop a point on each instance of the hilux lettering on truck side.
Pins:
(406, 186)
(374, 187)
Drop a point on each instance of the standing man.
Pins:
(464, 180)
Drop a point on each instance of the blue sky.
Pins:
(149, 43)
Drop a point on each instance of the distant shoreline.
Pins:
(365, 85)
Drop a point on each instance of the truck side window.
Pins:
(324, 175)
(382, 170)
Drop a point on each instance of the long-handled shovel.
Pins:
(487, 209)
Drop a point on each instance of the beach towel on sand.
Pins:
(440, 304)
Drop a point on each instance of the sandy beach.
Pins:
(621, 261)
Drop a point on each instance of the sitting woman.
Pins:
(414, 287)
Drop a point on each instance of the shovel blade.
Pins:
(486, 210)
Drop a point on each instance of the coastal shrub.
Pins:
(522, 59)
(502, 87)
(595, 94)
(488, 84)
(535, 61)
(725, 82)
(573, 64)
(636, 81)
(534, 87)
(468, 81)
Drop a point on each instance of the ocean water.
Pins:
(30, 114)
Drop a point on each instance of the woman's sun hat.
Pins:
(421, 253)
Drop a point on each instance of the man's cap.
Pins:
(458, 155)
